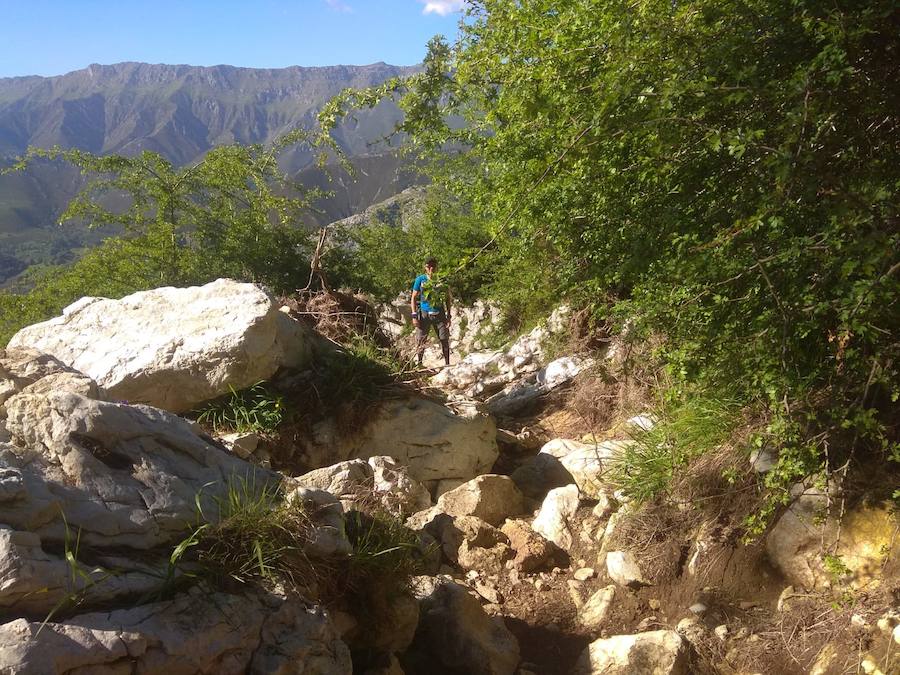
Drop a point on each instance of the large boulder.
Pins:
(121, 475)
(455, 632)
(660, 652)
(173, 348)
(431, 440)
(194, 633)
(491, 497)
(794, 544)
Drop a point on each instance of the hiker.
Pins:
(430, 304)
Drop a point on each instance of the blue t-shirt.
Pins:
(423, 303)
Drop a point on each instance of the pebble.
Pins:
(584, 573)
(870, 667)
(654, 604)
(897, 634)
(472, 574)
(858, 621)
(647, 623)
(747, 604)
(697, 608)
(538, 584)
(489, 593)
(575, 594)
(721, 632)
(786, 594)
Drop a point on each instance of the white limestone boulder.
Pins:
(661, 652)
(866, 530)
(587, 463)
(173, 348)
(555, 520)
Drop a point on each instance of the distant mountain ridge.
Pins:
(180, 112)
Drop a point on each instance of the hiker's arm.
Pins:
(412, 306)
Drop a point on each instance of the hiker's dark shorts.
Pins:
(426, 321)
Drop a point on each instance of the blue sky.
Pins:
(51, 37)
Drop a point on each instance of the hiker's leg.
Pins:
(421, 337)
(422, 331)
(443, 332)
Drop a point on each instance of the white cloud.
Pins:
(443, 7)
(339, 6)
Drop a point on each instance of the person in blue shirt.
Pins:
(430, 305)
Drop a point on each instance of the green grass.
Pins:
(256, 536)
(254, 409)
(684, 431)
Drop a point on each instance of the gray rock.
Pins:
(242, 444)
(327, 536)
(594, 612)
(360, 484)
(193, 633)
(433, 442)
(28, 370)
(33, 583)
(123, 475)
(491, 497)
(456, 633)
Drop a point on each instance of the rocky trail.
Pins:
(527, 559)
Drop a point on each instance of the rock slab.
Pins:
(173, 348)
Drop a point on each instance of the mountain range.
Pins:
(180, 112)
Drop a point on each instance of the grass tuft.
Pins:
(684, 431)
(254, 409)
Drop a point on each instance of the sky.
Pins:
(52, 37)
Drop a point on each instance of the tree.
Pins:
(724, 172)
(233, 214)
